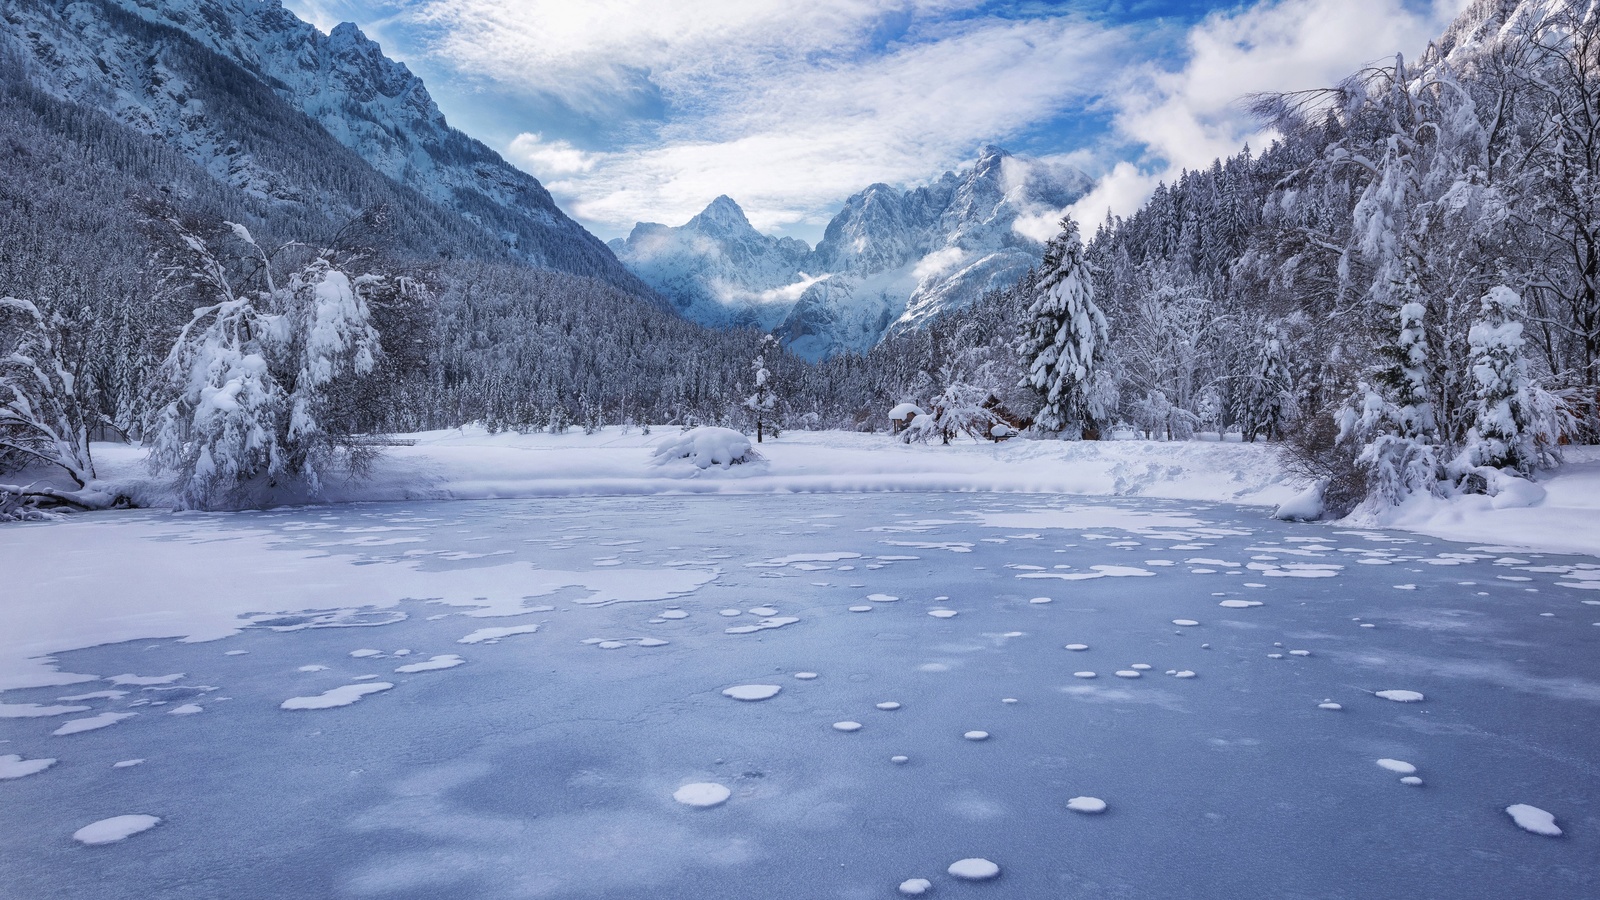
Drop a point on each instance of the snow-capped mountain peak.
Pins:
(889, 260)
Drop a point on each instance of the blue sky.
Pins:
(633, 110)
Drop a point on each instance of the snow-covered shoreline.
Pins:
(472, 464)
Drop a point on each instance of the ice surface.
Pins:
(14, 766)
(562, 757)
(974, 869)
(116, 828)
(1534, 819)
(752, 691)
(702, 794)
(339, 696)
(1086, 805)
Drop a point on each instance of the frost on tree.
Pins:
(1064, 340)
(763, 404)
(1513, 426)
(41, 420)
(251, 376)
(961, 408)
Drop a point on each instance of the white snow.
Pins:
(13, 765)
(130, 679)
(702, 794)
(444, 661)
(1185, 622)
(116, 828)
(752, 691)
(1083, 675)
(763, 625)
(847, 726)
(942, 613)
(705, 447)
(888, 705)
(974, 869)
(127, 763)
(187, 709)
(1127, 673)
(365, 653)
(493, 635)
(1077, 646)
(913, 887)
(976, 735)
(1400, 696)
(339, 696)
(92, 723)
(1534, 819)
(1239, 604)
(805, 676)
(1412, 780)
(1086, 805)
(1398, 766)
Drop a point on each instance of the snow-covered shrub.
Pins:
(762, 406)
(251, 377)
(958, 409)
(705, 447)
(41, 419)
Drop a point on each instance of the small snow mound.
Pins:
(707, 446)
(1040, 600)
(1183, 673)
(899, 760)
(976, 735)
(752, 691)
(116, 828)
(888, 705)
(188, 709)
(942, 613)
(974, 869)
(1534, 819)
(1239, 604)
(445, 661)
(1401, 696)
(1083, 675)
(1329, 704)
(1086, 805)
(1077, 646)
(1185, 622)
(913, 887)
(702, 794)
(805, 676)
(847, 726)
(1128, 673)
(1398, 766)
(1411, 780)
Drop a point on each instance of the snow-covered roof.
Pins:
(905, 410)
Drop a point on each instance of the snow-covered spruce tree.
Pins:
(251, 376)
(1267, 402)
(1064, 338)
(1512, 430)
(41, 418)
(1390, 421)
(762, 405)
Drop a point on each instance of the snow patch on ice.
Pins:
(752, 692)
(1534, 819)
(339, 696)
(13, 765)
(116, 828)
(443, 661)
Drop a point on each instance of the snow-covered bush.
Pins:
(958, 409)
(251, 377)
(705, 447)
(41, 419)
(762, 406)
(16, 506)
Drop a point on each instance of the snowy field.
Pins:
(792, 696)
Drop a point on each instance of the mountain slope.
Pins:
(888, 261)
(218, 79)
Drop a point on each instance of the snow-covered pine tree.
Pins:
(251, 377)
(1064, 340)
(763, 404)
(958, 409)
(1506, 431)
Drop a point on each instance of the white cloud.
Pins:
(548, 159)
(786, 108)
(1186, 118)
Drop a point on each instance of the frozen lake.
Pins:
(574, 698)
